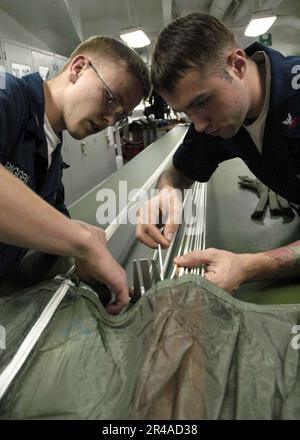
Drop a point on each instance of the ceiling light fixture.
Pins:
(135, 38)
(133, 35)
(260, 23)
(261, 20)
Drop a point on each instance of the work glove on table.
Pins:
(278, 205)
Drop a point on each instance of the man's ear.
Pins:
(237, 62)
(78, 64)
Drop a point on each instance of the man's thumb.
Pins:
(170, 231)
(181, 261)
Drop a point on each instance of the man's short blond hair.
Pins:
(100, 47)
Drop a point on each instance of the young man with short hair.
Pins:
(101, 83)
(242, 103)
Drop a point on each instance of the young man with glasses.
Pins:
(112, 103)
(100, 84)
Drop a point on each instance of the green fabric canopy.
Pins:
(185, 350)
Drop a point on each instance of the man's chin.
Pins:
(227, 133)
(83, 133)
(77, 136)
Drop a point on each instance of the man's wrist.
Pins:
(259, 266)
(84, 242)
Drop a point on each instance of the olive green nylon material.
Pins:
(185, 350)
(278, 205)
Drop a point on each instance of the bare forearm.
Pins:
(27, 220)
(173, 178)
(277, 263)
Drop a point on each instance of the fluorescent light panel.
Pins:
(259, 25)
(136, 38)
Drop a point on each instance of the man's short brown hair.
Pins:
(194, 39)
(99, 46)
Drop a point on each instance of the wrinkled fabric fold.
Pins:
(185, 350)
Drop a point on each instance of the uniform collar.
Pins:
(34, 84)
(281, 118)
(35, 88)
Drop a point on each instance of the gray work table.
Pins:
(229, 226)
(123, 244)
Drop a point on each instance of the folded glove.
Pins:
(278, 205)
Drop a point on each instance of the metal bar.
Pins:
(145, 267)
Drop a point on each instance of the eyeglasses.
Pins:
(112, 103)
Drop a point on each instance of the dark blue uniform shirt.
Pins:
(278, 166)
(23, 148)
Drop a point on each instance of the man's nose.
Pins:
(110, 120)
(200, 122)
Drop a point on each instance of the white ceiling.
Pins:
(61, 24)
